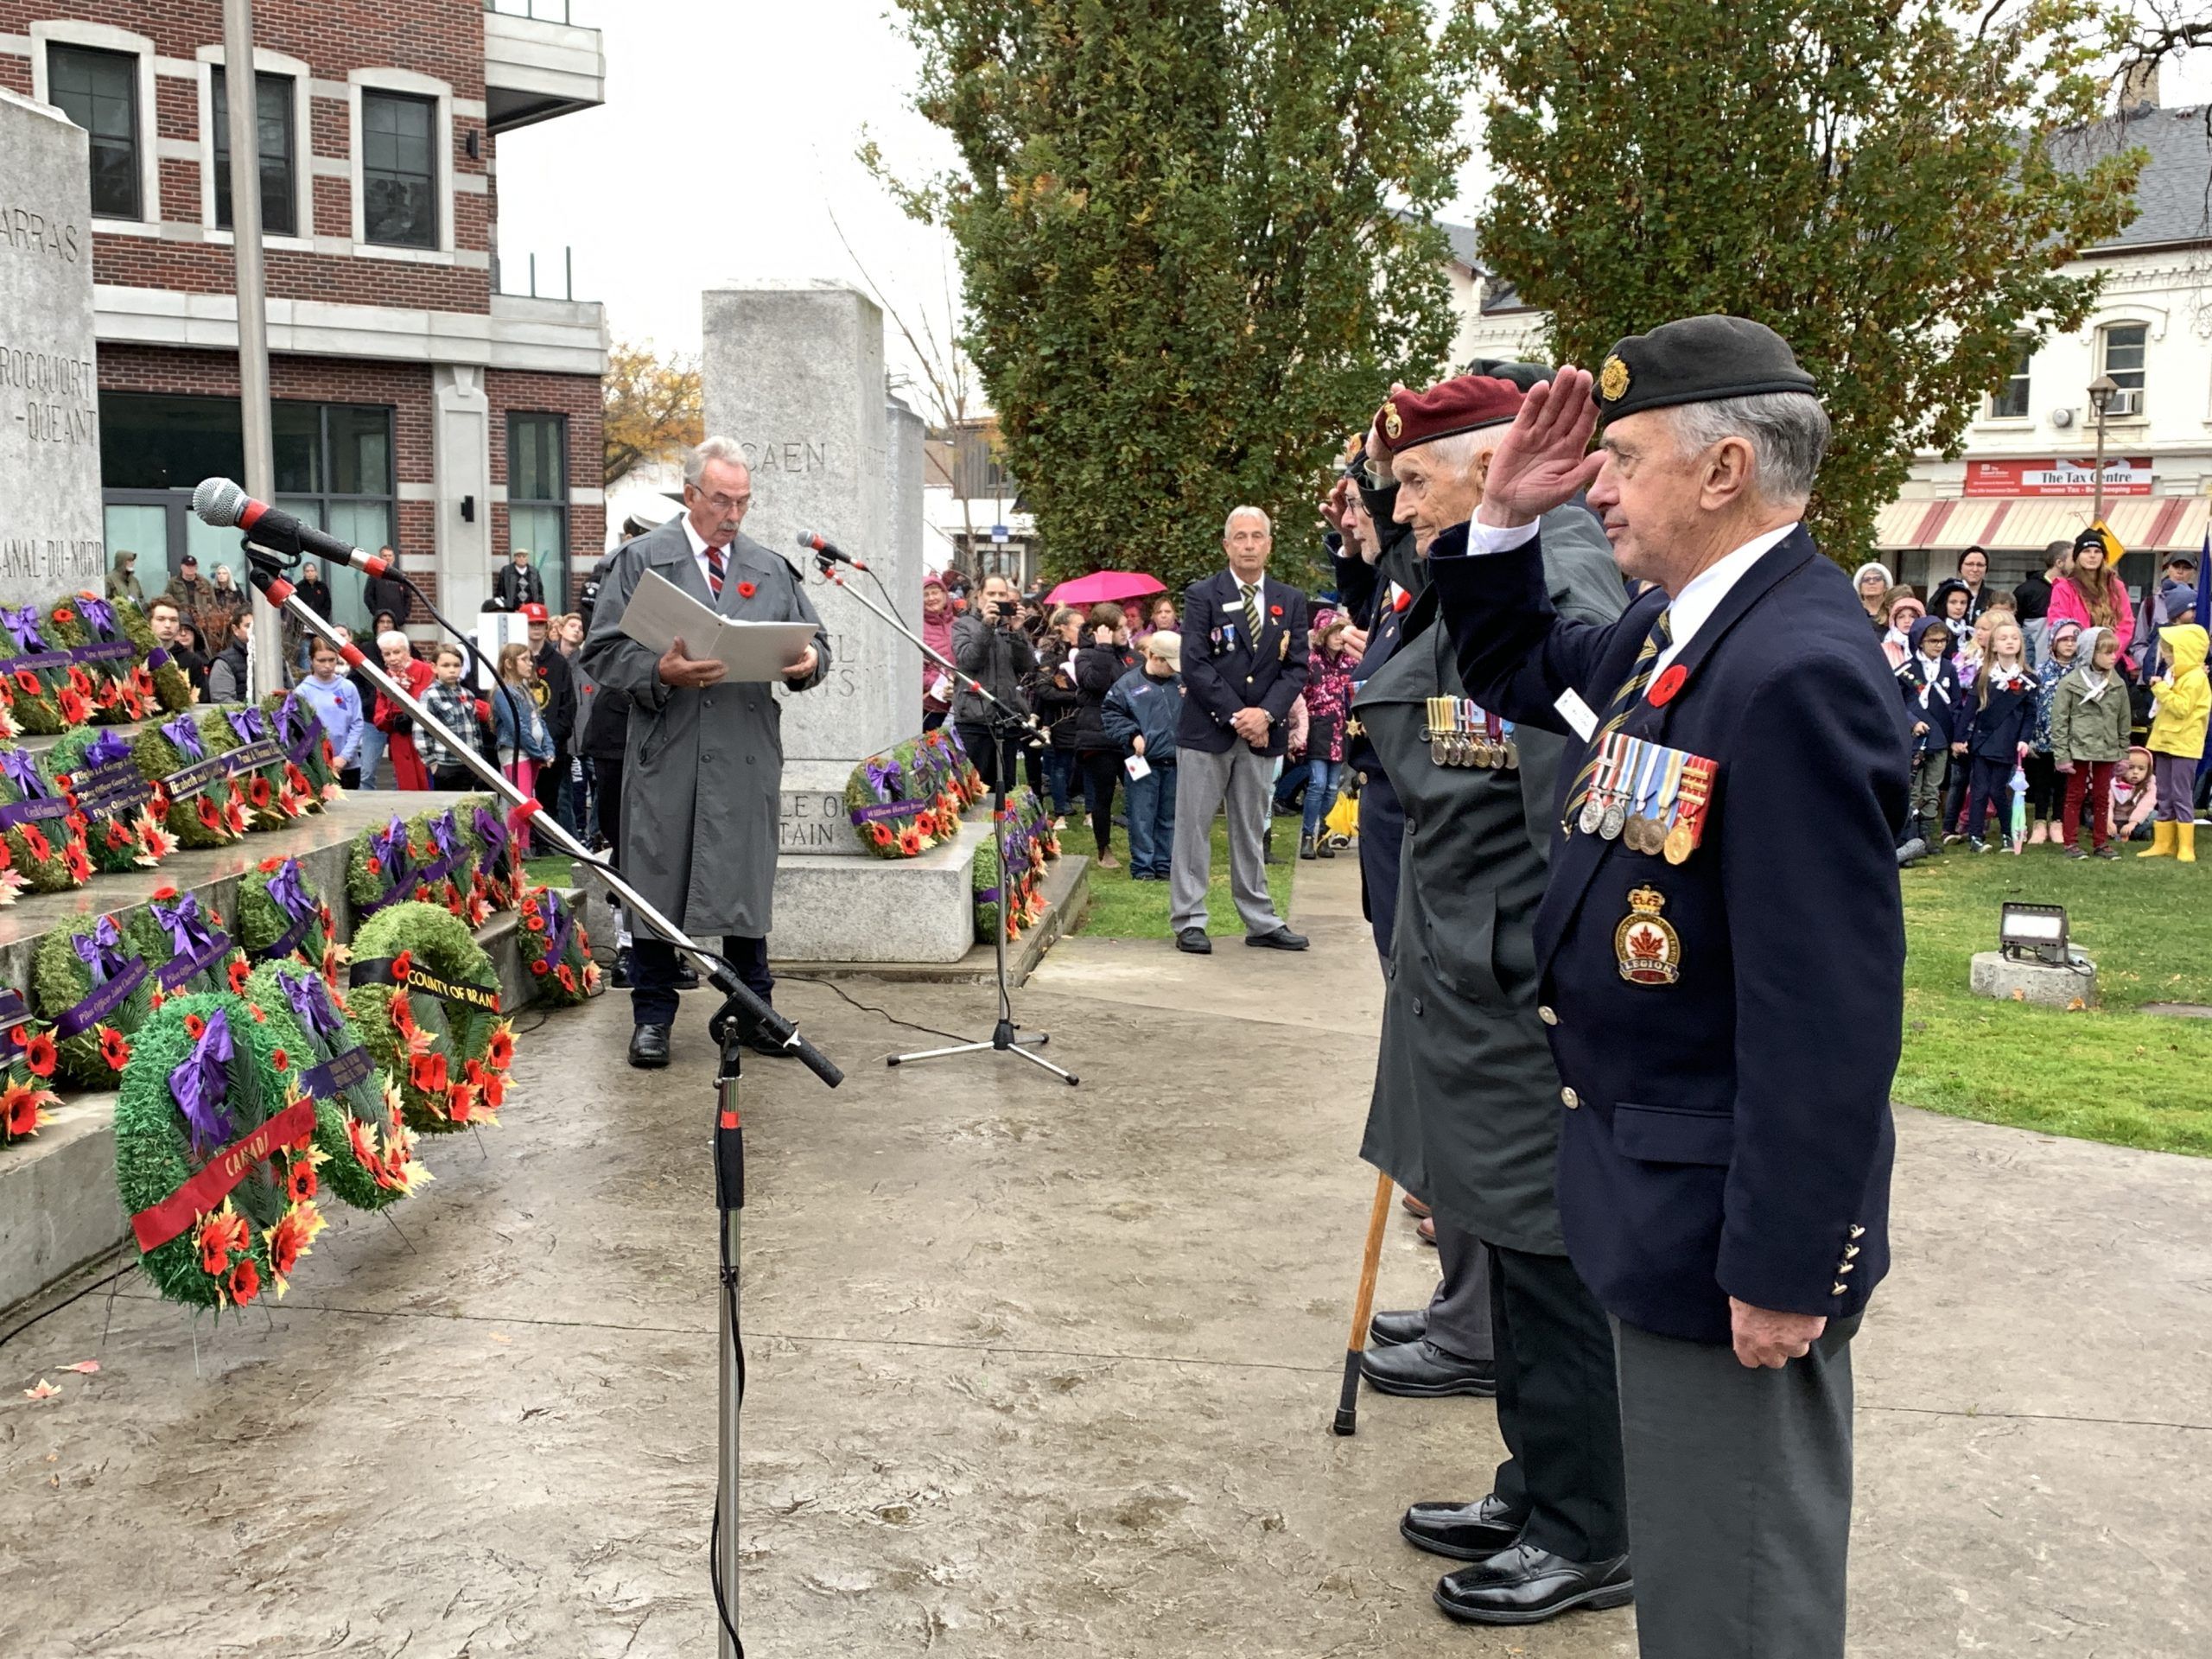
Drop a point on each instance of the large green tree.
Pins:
(1875, 180)
(1184, 274)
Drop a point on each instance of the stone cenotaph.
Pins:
(796, 375)
(51, 534)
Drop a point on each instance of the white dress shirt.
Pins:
(1689, 610)
(699, 545)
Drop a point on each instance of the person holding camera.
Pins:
(990, 648)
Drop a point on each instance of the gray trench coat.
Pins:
(1466, 1105)
(702, 770)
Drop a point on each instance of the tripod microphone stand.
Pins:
(743, 1019)
(1007, 1036)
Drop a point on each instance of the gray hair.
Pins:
(1788, 432)
(1457, 452)
(1234, 514)
(727, 450)
(392, 639)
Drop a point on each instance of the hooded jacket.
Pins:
(2089, 721)
(1932, 693)
(2184, 694)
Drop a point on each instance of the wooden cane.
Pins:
(1362, 1308)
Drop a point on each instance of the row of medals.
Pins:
(1457, 737)
(1608, 816)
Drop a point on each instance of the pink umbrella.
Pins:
(1105, 585)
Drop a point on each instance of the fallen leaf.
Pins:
(496, 1336)
(2075, 1005)
(84, 1367)
(45, 1390)
(2019, 996)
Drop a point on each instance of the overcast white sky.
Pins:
(725, 144)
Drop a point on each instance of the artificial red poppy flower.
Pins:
(1664, 688)
(534, 922)
(284, 1247)
(75, 861)
(539, 968)
(300, 1181)
(279, 1059)
(270, 866)
(499, 1052)
(164, 892)
(427, 1073)
(116, 836)
(245, 1281)
(159, 997)
(27, 683)
(36, 844)
(115, 1050)
(76, 707)
(401, 963)
(374, 865)
(746, 590)
(1274, 610)
(214, 1251)
(21, 1112)
(461, 1103)
(234, 817)
(194, 1025)
(495, 1090)
(64, 615)
(259, 1018)
(567, 976)
(39, 1054)
(210, 814)
(239, 974)
(257, 791)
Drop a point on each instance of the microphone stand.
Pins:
(742, 1019)
(1007, 1036)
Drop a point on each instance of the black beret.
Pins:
(1526, 376)
(1695, 360)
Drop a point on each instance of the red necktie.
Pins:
(714, 571)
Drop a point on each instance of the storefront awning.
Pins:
(2146, 523)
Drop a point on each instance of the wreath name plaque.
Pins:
(414, 976)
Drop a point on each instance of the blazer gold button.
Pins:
(1570, 1099)
(1848, 1267)
(1838, 1289)
(1549, 1015)
(1858, 1232)
(1850, 1250)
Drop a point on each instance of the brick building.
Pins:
(415, 404)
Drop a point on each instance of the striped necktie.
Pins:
(1251, 592)
(714, 571)
(1639, 676)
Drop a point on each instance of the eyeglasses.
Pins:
(720, 502)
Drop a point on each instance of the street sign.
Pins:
(1001, 534)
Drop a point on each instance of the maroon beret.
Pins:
(1465, 403)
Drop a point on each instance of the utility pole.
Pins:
(242, 87)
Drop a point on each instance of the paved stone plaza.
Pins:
(1035, 1369)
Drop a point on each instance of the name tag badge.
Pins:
(1576, 713)
(1232, 604)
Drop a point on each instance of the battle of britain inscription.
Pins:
(815, 821)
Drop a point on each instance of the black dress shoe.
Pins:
(1424, 1371)
(1525, 1586)
(1388, 1329)
(1282, 940)
(1465, 1532)
(649, 1047)
(1194, 940)
(687, 977)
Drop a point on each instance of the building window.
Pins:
(399, 169)
(2125, 345)
(273, 117)
(334, 469)
(537, 499)
(99, 92)
(2010, 401)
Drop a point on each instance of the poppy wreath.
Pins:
(88, 628)
(195, 795)
(556, 949)
(37, 673)
(905, 801)
(499, 878)
(970, 781)
(425, 1001)
(172, 690)
(380, 869)
(28, 1059)
(190, 949)
(93, 983)
(310, 765)
(368, 1150)
(1035, 822)
(991, 894)
(212, 1143)
(41, 836)
(96, 771)
(240, 734)
(281, 918)
(445, 872)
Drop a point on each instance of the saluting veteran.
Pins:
(703, 766)
(1721, 953)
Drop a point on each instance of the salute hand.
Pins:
(1545, 458)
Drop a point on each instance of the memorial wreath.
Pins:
(96, 771)
(239, 733)
(194, 794)
(90, 630)
(358, 1123)
(281, 918)
(556, 949)
(93, 983)
(41, 836)
(28, 1059)
(311, 767)
(426, 1002)
(42, 696)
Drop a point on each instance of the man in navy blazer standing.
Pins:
(1244, 650)
(1720, 950)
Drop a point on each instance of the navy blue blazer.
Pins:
(1948, 707)
(1232, 663)
(1995, 729)
(1727, 1134)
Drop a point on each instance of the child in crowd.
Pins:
(1140, 713)
(2003, 704)
(518, 730)
(1952, 601)
(1327, 697)
(1904, 610)
(2134, 795)
(2177, 740)
(2043, 786)
(1936, 709)
(338, 706)
(2088, 734)
(456, 706)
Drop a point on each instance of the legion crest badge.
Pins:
(1393, 423)
(1648, 949)
(1612, 380)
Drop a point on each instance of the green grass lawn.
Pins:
(1122, 909)
(558, 871)
(2107, 1073)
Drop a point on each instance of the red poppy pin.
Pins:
(746, 590)
(1274, 610)
(1664, 688)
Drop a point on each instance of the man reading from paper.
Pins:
(703, 763)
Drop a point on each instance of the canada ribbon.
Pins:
(175, 1215)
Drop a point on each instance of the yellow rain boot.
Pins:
(2162, 841)
(2185, 842)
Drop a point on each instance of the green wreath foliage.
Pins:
(262, 921)
(450, 1059)
(127, 836)
(908, 799)
(28, 1061)
(498, 877)
(215, 816)
(368, 1150)
(438, 838)
(119, 687)
(47, 854)
(155, 1155)
(259, 787)
(172, 689)
(32, 697)
(563, 977)
(313, 772)
(60, 980)
(371, 875)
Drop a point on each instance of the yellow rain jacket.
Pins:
(2184, 697)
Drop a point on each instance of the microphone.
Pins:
(219, 502)
(823, 547)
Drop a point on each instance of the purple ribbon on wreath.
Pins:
(101, 950)
(100, 614)
(17, 766)
(493, 835)
(289, 895)
(556, 936)
(182, 733)
(445, 835)
(296, 729)
(200, 1082)
(22, 622)
(107, 749)
(188, 928)
(391, 852)
(247, 725)
(310, 1001)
